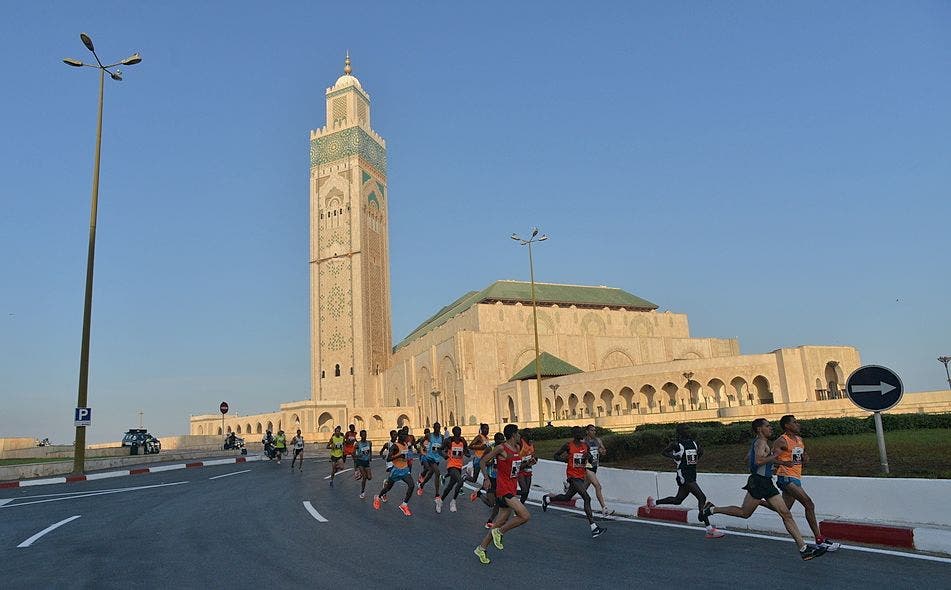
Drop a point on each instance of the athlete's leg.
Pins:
(522, 515)
(779, 506)
(592, 478)
(749, 506)
(437, 475)
(796, 493)
(682, 492)
(503, 516)
(694, 489)
(524, 486)
(455, 483)
(408, 480)
(387, 486)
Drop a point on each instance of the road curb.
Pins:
(872, 533)
(124, 472)
(672, 514)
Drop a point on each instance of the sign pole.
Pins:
(880, 434)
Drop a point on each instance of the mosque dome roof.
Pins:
(347, 79)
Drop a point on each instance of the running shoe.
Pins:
(546, 500)
(376, 502)
(363, 495)
(811, 552)
(828, 543)
(419, 491)
(497, 538)
(405, 508)
(474, 496)
(714, 533)
(650, 503)
(383, 499)
(452, 505)
(438, 505)
(605, 512)
(489, 524)
(480, 552)
(597, 531)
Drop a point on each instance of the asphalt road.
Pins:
(251, 528)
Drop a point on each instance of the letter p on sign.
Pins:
(83, 416)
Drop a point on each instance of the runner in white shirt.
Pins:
(298, 444)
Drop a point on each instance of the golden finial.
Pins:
(346, 68)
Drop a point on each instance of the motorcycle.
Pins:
(269, 451)
(233, 442)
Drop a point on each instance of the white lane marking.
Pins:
(2, 502)
(40, 482)
(751, 535)
(232, 473)
(52, 527)
(88, 494)
(313, 511)
(341, 471)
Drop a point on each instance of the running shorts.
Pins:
(592, 469)
(782, 481)
(398, 474)
(760, 487)
(335, 459)
(502, 501)
(361, 463)
(685, 476)
(298, 451)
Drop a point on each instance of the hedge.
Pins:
(553, 432)
(653, 438)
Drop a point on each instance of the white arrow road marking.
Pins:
(882, 388)
(52, 527)
(341, 471)
(232, 473)
(313, 512)
(86, 495)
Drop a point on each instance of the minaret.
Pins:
(351, 337)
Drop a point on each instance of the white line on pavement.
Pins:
(88, 494)
(341, 471)
(166, 468)
(751, 535)
(313, 511)
(2, 502)
(52, 527)
(232, 473)
(40, 482)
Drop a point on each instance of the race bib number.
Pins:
(594, 454)
(577, 459)
(691, 456)
(797, 455)
(516, 467)
(456, 451)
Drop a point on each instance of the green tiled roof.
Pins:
(520, 291)
(548, 365)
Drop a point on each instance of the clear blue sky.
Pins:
(780, 172)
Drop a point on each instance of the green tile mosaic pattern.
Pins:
(348, 142)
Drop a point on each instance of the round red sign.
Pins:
(223, 407)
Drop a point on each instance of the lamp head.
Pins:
(534, 231)
(516, 238)
(132, 60)
(117, 76)
(87, 42)
(543, 238)
(73, 62)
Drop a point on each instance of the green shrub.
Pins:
(555, 432)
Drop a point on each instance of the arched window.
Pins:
(336, 370)
(323, 374)
(351, 370)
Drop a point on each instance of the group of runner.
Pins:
(505, 463)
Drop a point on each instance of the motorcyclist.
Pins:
(268, 442)
(280, 445)
(230, 440)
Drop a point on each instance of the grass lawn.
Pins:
(33, 460)
(911, 453)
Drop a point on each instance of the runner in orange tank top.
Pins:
(454, 449)
(577, 454)
(529, 459)
(790, 450)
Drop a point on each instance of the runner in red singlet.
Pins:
(577, 454)
(508, 463)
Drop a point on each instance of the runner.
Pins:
(789, 448)
(336, 453)
(411, 453)
(478, 446)
(597, 450)
(362, 452)
(421, 448)
(453, 449)
(487, 492)
(298, 451)
(529, 458)
(577, 455)
(686, 453)
(280, 445)
(434, 457)
(508, 465)
(349, 444)
(385, 453)
(759, 486)
(399, 472)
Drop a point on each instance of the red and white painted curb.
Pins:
(134, 471)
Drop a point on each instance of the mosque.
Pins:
(607, 356)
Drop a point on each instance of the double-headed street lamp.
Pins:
(944, 360)
(531, 268)
(79, 454)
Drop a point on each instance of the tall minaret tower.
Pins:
(351, 337)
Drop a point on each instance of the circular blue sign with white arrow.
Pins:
(874, 388)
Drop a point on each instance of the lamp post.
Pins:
(554, 394)
(79, 453)
(531, 268)
(944, 360)
(435, 393)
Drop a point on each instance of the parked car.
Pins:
(140, 441)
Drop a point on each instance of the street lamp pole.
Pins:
(531, 268)
(944, 360)
(79, 450)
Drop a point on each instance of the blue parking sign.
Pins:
(83, 416)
